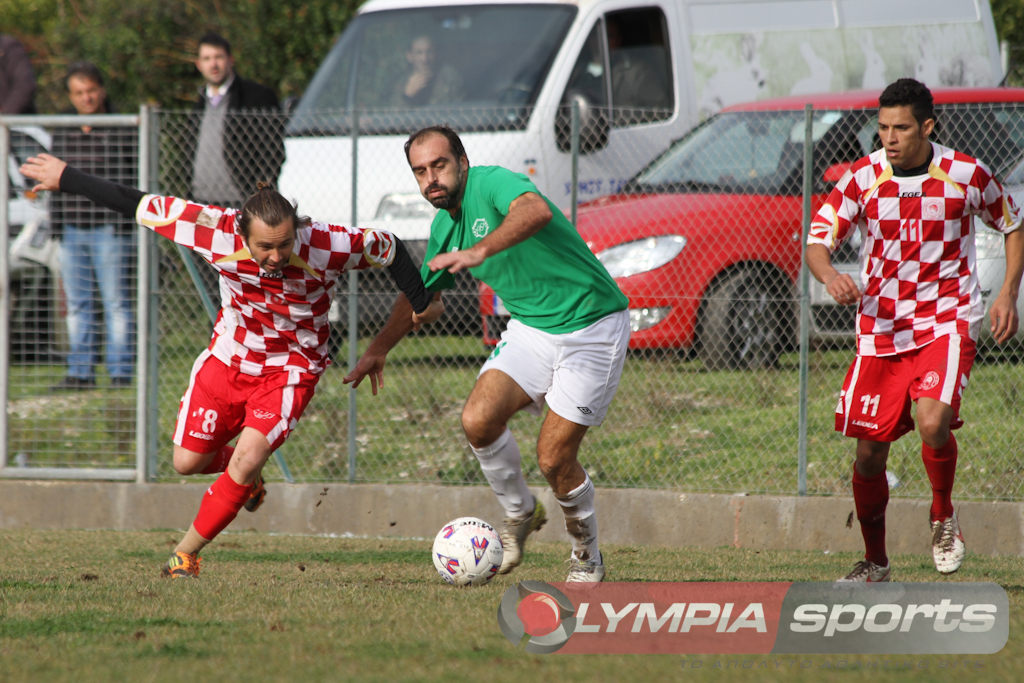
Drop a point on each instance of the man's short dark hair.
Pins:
(83, 70)
(907, 91)
(216, 40)
(454, 142)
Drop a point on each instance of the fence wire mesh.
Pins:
(71, 358)
(705, 238)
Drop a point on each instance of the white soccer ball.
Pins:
(467, 552)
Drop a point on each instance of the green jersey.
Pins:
(550, 281)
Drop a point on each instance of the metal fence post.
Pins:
(150, 420)
(353, 306)
(805, 304)
(574, 152)
(145, 347)
(5, 288)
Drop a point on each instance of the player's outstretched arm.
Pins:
(406, 277)
(46, 170)
(432, 313)
(53, 174)
(527, 214)
(401, 321)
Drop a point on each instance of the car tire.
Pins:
(747, 319)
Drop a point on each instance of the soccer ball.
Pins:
(467, 552)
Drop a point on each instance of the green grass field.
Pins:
(90, 606)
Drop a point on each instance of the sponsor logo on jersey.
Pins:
(263, 414)
(480, 228)
(200, 435)
(930, 381)
(585, 410)
(379, 247)
(933, 209)
(862, 423)
(155, 211)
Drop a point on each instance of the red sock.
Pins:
(940, 464)
(219, 463)
(871, 496)
(220, 505)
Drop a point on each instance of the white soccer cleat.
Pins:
(585, 571)
(948, 547)
(866, 571)
(513, 536)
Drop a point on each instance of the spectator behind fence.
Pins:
(236, 136)
(96, 244)
(426, 82)
(17, 79)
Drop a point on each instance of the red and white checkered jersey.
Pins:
(918, 264)
(268, 322)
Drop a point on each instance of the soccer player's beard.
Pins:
(452, 197)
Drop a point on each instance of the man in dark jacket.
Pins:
(236, 131)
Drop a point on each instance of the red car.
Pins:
(706, 240)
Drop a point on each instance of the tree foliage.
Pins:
(146, 49)
(1009, 20)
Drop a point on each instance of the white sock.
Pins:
(500, 463)
(580, 520)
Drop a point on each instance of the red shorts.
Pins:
(220, 401)
(878, 390)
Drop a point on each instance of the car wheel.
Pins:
(746, 321)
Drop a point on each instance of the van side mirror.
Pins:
(594, 125)
(834, 173)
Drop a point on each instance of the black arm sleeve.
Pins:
(120, 198)
(407, 278)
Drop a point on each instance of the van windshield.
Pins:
(476, 67)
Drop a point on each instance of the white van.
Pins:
(643, 72)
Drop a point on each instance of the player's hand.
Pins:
(1003, 318)
(430, 314)
(368, 365)
(45, 169)
(843, 289)
(454, 261)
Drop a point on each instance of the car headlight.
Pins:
(641, 255)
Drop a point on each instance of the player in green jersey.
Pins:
(565, 344)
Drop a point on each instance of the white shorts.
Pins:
(577, 373)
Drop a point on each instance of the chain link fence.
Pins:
(725, 390)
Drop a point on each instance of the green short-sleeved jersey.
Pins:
(550, 281)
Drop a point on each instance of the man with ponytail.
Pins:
(278, 272)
